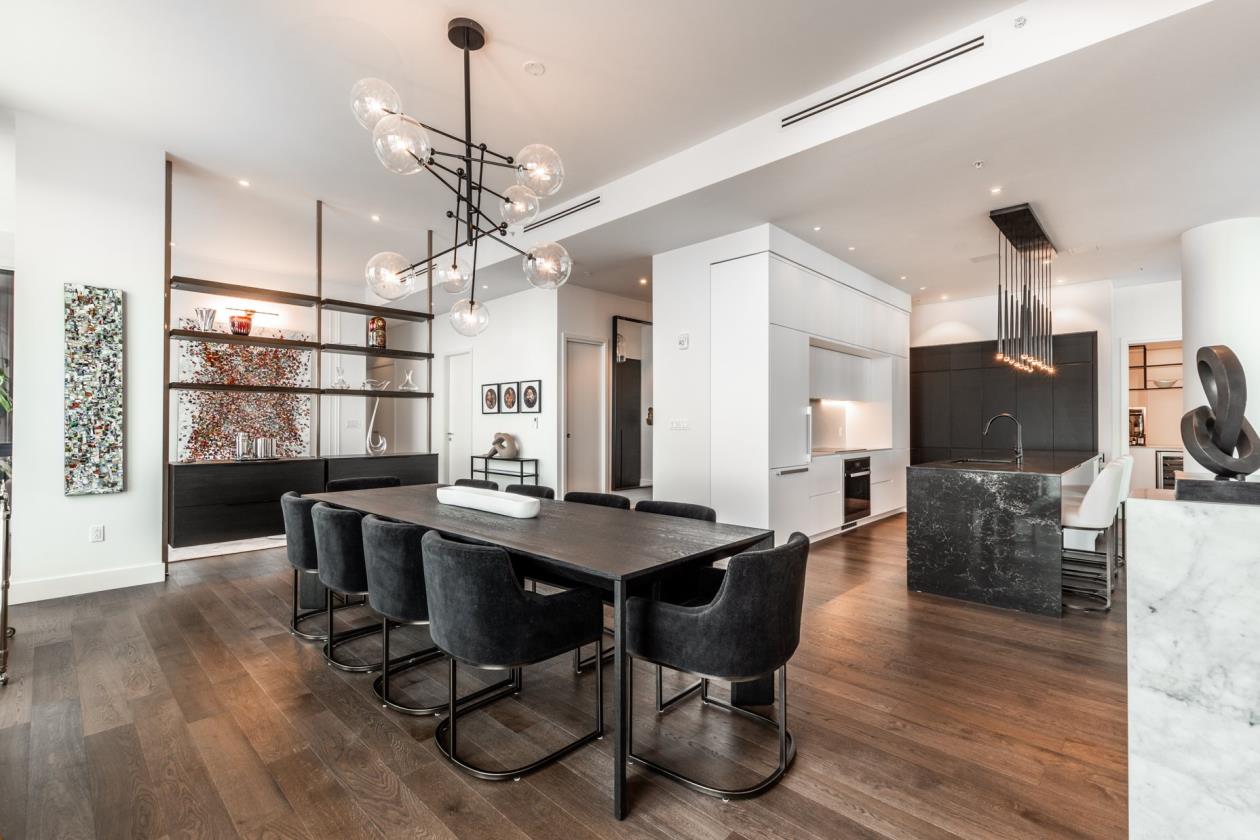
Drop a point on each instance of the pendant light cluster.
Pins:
(403, 145)
(1025, 282)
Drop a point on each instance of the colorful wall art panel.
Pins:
(93, 390)
(208, 421)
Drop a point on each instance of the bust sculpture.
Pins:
(1217, 435)
(504, 446)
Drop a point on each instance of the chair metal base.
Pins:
(445, 733)
(299, 616)
(397, 665)
(787, 744)
(334, 639)
(663, 705)
(580, 662)
(1089, 578)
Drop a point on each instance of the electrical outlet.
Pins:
(684, 341)
(679, 424)
(96, 533)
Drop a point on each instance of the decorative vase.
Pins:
(375, 442)
(376, 332)
(205, 318)
(241, 324)
(407, 384)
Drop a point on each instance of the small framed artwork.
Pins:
(489, 399)
(531, 396)
(509, 397)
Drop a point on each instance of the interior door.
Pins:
(583, 400)
(459, 408)
(627, 424)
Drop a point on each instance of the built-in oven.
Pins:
(857, 489)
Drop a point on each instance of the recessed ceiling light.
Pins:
(944, 297)
(484, 286)
(534, 68)
(817, 228)
(642, 281)
(1060, 281)
(995, 190)
(923, 288)
(172, 244)
(903, 277)
(243, 182)
(375, 217)
(978, 164)
(852, 247)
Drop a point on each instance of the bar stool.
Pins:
(538, 491)
(481, 616)
(1083, 574)
(343, 570)
(748, 631)
(476, 482)
(299, 539)
(611, 500)
(396, 591)
(1126, 489)
(367, 482)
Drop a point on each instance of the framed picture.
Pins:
(489, 399)
(509, 397)
(531, 396)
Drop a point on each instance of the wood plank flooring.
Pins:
(186, 709)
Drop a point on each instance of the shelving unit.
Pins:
(318, 347)
(1147, 368)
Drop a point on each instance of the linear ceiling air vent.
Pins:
(568, 211)
(884, 81)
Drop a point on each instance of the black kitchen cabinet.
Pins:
(955, 388)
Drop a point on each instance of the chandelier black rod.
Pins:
(483, 148)
(459, 196)
(507, 159)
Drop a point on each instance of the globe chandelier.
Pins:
(403, 145)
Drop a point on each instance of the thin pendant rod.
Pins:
(468, 150)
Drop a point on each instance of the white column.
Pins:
(1220, 301)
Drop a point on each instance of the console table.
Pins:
(526, 468)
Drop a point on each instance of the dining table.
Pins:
(620, 552)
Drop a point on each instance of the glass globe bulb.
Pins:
(547, 265)
(452, 274)
(389, 275)
(519, 205)
(372, 99)
(539, 168)
(469, 317)
(401, 144)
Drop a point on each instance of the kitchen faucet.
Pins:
(1019, 434)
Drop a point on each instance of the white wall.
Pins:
(90, 211)
(520, 343)
(7, 203)
(1082, 307)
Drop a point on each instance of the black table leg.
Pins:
(621, 708)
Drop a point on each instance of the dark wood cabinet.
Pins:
(236, 500)
(955, 388)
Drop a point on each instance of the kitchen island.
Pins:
(991, 531)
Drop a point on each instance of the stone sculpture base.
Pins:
(1203, 487)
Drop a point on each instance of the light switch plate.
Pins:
(96, 533)
(684, 341)
(679, 424)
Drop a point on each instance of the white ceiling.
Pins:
(1119, 147)
(260, 90)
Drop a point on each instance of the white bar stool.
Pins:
(1095, 511)
(1126, 488)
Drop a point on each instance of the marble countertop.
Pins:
(1035, 463)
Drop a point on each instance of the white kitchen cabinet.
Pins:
(789, 502)
(888, 480)
(837, 376)
(884, 498)
(826, 474)
(826, 513)
(888, 464)
(789, 397)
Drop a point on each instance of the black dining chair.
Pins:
(476, 482)
(685, 510)
(395, 579)
(342, 570)
(480, 615)
(367, 482)
(299, 540)
(538, 491)
(749, 631)
(611, 500)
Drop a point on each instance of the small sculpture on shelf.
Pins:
(376, 332)
(408, 384)
(504, 446)
(205, 318)
(1213, 433)
(339, 381)
(375, 442)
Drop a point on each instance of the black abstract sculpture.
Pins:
(1212, 433)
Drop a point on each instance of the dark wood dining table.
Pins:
(618, 551)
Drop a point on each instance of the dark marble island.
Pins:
(991, 532)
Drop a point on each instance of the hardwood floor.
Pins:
(186, 709)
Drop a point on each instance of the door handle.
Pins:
(857, 474)
(794, 471)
